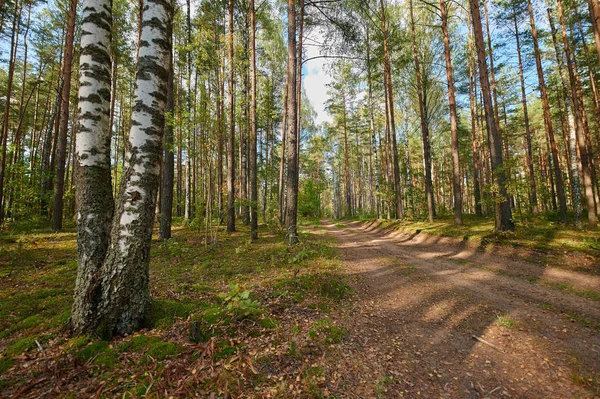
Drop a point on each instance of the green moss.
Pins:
(6, 363)
(163, 313)
(213, 315)
(29, 322)
(137, 343)
(100, 351)
(160, 350)
(21, 345)
(78, 342)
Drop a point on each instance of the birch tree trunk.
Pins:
(92, 152)
(125, 277)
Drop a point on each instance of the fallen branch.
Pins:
(28, 388)
(483, 341)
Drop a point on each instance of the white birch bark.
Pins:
(125, 277)
(93, 191)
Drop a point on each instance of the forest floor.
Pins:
(357, 310)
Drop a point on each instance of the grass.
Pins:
(506, 320)
(218, 295)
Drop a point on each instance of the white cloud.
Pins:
(316, 78)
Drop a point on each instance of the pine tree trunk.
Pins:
(456, 175)
(231, 138)
(253, 138)
(390, 98)
(580, 134)
(281, 192)
(424, 123)
(166, 204)
(595, 19)
(4, 132)
(532, 188)
(569, 131)
(560, 191)
(57, 213)
(94, 190)
(474, 144)
(503, 212)
(292, 127)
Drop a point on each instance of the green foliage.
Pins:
(309, 199)
(239, 304)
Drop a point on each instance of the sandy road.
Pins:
(421, 300)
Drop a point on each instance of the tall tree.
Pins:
(292, 128)
(125, 277)
(92, 153)
(387, 73)
(456, 176)
(168, 176)
(253, 138)
(503, 214)
(424, 121)
(6, 116)
(580, 134)
(558, 178)
(57, 213)
(533, 203)
(231, 137)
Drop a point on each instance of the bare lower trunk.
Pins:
(168, 176)
(231, 138)
(252, 138)
(292, 149)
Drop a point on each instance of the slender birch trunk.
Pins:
(125, 277)
(92, 152)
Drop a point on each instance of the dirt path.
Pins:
(420, 302)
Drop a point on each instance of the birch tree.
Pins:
(92, 152)
(125, 277)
